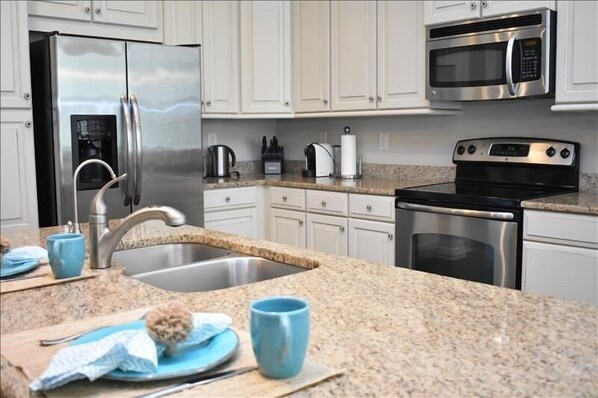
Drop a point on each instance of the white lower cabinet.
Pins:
(327, 234)
(372, 241)
(287, 227)
(241, 222)
(235, 210)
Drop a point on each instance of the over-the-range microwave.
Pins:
(509, 56)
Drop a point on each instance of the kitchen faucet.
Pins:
(103, 240)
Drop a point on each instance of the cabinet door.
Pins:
(562, 271)
(401, 55)
(221, 56)
(241, 222)
(266, 56)
(15, 80)
(372, 241)
(74, 10)
(353, 46)
(18, 202)
(450, 11)
(288, 227)
(182, 22)
(311, 56)
(144, 14)
(327, 234)
(492, 8)
(577, 53)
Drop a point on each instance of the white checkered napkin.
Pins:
(26, 253)
(131, 350)
(205, 326)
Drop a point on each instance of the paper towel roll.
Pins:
(348, 154)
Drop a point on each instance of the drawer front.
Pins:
(325, 202)
(287, 198)
(580, 230)
(229, 198)
(372, 207)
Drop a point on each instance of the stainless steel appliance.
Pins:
(319, 161)
(509, 56)
(135, 106)
(472, 228)
(218, 160)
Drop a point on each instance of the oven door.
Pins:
(479, 246)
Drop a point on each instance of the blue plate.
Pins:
(192, 360)
(24, 267)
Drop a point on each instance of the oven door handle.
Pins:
(492, 215)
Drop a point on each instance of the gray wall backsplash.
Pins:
(243, 136)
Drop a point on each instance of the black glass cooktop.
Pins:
(476, 194)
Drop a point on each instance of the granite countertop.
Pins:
(577, 202)
(394, 332)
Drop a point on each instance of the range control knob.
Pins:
(565, 153)
(460, 149)
(550, 152)
(471, 149)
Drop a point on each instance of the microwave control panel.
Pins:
(531, 59)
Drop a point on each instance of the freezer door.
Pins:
(164, 90)
(88, 77)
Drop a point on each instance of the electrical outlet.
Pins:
(212, 139)
(383, 141)
(323, 137)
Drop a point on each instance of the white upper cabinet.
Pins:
(353, 45)
(15, 82)
(436, 12)
(266, 56)
(221, 74)
(577, 56)
(136, 20)
(182, 22)
(311, 56)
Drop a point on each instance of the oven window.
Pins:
(470, 66)
(454, 256)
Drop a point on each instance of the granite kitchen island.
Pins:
(394, 332)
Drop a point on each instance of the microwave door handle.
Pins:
(124, 103)
(492, 215)
(509, 66)
(138, 149)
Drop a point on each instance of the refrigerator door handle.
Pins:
(124, 102)
(138, 149)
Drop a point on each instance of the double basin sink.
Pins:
(194, 267)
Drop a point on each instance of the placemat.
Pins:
(22, 350)
(42, 276)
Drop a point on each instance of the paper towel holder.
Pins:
(337, 161)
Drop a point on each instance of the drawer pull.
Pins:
(389, 236)
(27, 96)
(98, 11)
(300, 222)
(284, 198)
(323, 203)
(87, 10)
(227, 199)
(342, 229)
(368, 208)
(28, 124)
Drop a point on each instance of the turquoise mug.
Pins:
(279, 335)
(66, 253)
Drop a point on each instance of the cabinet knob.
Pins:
(208, 103)
(342, 229)
(98, 11)
(371, 99)
(284, 198)
(27, 96)
(286, 103)
(325, 101)
(368, 208)
(87, 10)
(472, 5)
(227, 199)
(378, 98)
(323, 203)
(389, 236)
(484, 4)
(300, 222)
(28, 124)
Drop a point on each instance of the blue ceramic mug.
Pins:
(279, 335)
(66, 253)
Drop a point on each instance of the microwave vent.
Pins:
(490, 25)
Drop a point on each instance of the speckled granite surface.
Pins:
(395, 332)
(579, 203)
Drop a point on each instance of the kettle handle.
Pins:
(232, 153)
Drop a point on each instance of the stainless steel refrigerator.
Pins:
(137, 106)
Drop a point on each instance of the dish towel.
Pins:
(127, 350)
(21, 255)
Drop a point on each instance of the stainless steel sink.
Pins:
(153, 258)
(218, 274)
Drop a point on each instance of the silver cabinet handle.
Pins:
(323, 203)
(493, 215)
(87, 10)
(342, 229)
(472, 5)
(389, 236)
(28, 123)
(300, 222)
(208, 103)
(27, 96)
(284, 198)
(325, 101)
(378, 98)
(227, 199)
(484, 4)
(368, 208)
(286, 103)
(509, 65)
(98, 11)
(371, 99)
